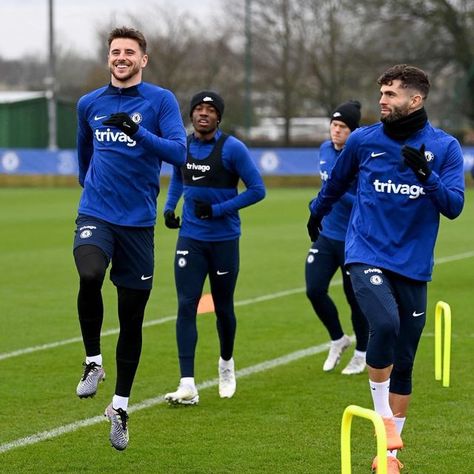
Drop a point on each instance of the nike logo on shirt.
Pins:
(374, 155)
(415, 314)
(195, 178)
(99, 117)
(146, 277)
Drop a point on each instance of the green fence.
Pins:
(24, 124)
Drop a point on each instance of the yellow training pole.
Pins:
(443, 367)
(349, 413)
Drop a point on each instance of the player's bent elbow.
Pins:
(454, 211)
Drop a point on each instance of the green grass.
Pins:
(282, 420)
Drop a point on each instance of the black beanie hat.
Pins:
(349, 113)
(208, 97)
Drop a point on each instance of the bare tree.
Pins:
(334, 42)
(279, 56)
(187, 56)
(435, 34)
(306, 56)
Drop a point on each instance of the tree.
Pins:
(307, 56)
(435, 34)
(186, 56)
(335, 47)
(279, 57)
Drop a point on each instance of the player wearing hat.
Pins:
(326, 254)
(208, 242)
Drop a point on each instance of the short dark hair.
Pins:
(410, 77)
(131, 33)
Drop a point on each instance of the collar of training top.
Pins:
(130, 91)
(213, 139)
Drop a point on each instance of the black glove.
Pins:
(314, 227)
(123, 122)
(202, 209)
(416, 160)
(171, 221)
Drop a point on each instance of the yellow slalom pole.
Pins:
(349, 413)
(443, 342)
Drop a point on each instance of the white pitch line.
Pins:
(154, 322)
(51, 345)
(267, 365)
(279, 294)
(452, 258)
(71, 427)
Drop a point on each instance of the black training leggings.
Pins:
(131, 310)
(325, 257)
(91, 263)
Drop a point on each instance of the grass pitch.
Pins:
(286, 414)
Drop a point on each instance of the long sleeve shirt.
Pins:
(120, 174)
(335, 223)
(395, 220)
(226, 202)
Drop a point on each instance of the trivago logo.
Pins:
(195, 167)
(110, 136)
(412, 190)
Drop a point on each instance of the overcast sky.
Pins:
(24, 23)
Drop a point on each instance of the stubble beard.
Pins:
(396, 114)
(120, 78)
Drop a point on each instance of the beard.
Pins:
(135, 69)
(396, 114)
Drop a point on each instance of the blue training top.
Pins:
(395, 220)
(120, 174)
(226, 202)
(336, 222)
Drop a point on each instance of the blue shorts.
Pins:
(395, 307)
(131, 250)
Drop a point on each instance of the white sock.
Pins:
(399, 422)
(359, 353)
(226, 364)
(339, 341)
(189, 381)
(379, 392)
(97, 359)
(120, 402)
